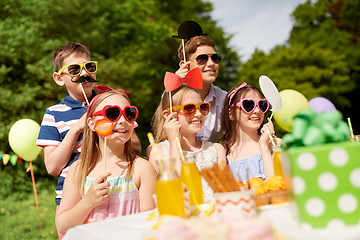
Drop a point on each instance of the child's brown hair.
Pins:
(192, 44)
(65, 51)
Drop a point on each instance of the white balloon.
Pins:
(270, 92)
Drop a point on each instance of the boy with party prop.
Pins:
(62, 125)
(197, 50)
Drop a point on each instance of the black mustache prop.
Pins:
(85, 79)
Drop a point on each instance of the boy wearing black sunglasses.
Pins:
(63, 123)
(200, 52)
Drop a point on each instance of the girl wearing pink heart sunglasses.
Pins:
(108, 180)
(244, 136)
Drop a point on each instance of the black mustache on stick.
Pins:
(85, 79)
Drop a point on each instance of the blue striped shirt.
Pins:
(56, 123)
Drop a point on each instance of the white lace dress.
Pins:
(205, 157)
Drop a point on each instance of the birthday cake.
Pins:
(208, 228)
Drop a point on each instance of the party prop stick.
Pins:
(351, 129)
(104, 128)
(35, 193)
(183, 46)
(170, 102)
(180, 150)
(271, 93)
(82, 89)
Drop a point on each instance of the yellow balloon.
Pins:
(22, 139)
(293, 102)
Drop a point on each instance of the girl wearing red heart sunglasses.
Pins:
(244, 136)
(183, 121)
(108, 180)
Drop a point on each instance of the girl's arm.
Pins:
(74, 209)
(265, 148)
(221, 153)
(147, 177)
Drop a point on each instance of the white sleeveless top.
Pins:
(205, 157)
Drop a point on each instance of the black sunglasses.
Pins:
(203, 58)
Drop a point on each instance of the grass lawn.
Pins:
(19, 219)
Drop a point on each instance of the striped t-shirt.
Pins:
(56, 123)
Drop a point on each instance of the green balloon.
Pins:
(22, 139)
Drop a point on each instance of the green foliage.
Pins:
(321, 58)
(16, 182)
(19, 218)
(131, 39)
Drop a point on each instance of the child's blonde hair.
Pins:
(90, 154)
(177, 97)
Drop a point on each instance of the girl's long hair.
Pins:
(229, 130)
(177, 97)
(91, 153)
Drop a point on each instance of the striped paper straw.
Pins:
(180, 150)
(152, 143)
(272, 140)
(351, 129)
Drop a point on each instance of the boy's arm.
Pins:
(56, 157)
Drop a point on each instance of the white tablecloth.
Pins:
(134, 226)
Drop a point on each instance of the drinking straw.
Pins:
(180, 150)
(82, 89)
(351, 129)
(152, 143)
(272, 140)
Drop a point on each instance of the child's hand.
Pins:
(80, 124)
(183, 70)
(98, 191)
(172, 126)
(269, 126)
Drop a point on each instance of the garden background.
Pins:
(131, 40)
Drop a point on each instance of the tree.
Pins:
(131, 39)
(321, 57)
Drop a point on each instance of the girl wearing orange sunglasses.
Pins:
(183, 121)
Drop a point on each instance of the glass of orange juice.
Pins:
(278, 170)
(170, 193)
(190, 176)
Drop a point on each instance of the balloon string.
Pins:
(35, 193)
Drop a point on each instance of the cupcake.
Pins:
(275, 185)
(261, 195)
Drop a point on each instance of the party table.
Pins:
(136, 225)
